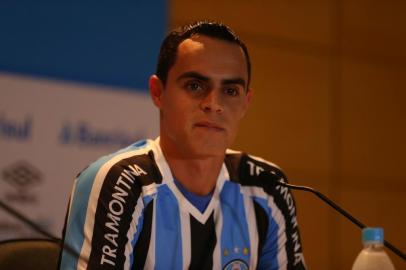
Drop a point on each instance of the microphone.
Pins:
(38, 229)
(26, 221)
(279, 181)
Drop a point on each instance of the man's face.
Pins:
(204, 98)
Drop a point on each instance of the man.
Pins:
(184, 201)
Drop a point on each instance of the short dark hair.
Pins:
(169, 47)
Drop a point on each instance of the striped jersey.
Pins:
(126, 212)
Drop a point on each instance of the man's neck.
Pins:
(197, 174)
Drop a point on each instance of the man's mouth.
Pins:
(209, 125)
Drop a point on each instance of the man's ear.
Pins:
(248, 98)
(156, 89)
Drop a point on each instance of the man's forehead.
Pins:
(200, 42)
(193, 43)
(210, 53)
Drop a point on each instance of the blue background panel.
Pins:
(114, 43)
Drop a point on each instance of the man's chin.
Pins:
(209, 149)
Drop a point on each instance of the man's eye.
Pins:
(231, 91)
(194, 86)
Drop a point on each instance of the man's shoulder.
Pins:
(137, 160)
(245, 168)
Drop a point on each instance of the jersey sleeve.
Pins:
(105, 215)
(280, 246)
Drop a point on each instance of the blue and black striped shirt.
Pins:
(126, 212)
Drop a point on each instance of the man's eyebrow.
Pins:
(193, 75)
(198, 76)
(239, 81)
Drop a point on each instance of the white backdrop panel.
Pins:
(49, 132)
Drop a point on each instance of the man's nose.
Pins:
(212, 101)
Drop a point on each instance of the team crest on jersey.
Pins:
(236, 265)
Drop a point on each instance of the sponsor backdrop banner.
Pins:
(73, 87)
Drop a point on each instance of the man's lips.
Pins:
(209, 125)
